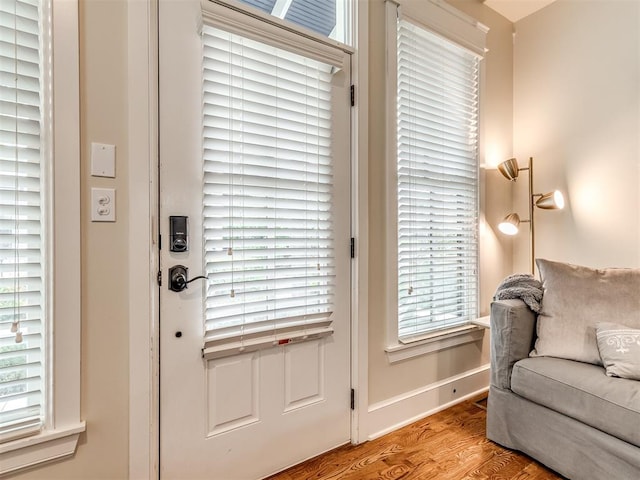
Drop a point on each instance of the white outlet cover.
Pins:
(103, 160)
(103, 205)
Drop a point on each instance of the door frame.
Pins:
(144, 256)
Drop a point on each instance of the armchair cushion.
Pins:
(583, 392)
(576, 299)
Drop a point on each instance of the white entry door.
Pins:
(254, 177)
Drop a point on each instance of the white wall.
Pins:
(577, 111)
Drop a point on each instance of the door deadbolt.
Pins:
(179, 278)
(178, 233)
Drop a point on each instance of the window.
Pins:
(22, 285)
(327, 18)
(267, 215)
(435, 174)
(39, 204)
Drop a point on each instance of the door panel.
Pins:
(253, 408)
(304, 374)
(232, 392)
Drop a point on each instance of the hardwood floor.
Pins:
(449, 445)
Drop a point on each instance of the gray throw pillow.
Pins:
(575, 299)
(619, 348)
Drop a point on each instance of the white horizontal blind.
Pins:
(21, 245)
(269, 250)
(437, 117)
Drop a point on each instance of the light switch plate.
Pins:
(103, 160)
(103, 205)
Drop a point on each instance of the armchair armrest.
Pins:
(513, 326)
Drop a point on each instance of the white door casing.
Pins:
(253, 413)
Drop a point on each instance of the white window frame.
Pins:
(62, 425)
(444, 20)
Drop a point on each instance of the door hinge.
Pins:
(159, 242)
(353, 399)
(353, 247)
(353, 95)
(159, 278)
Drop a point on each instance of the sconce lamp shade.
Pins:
(509, 168)
(509, 226)
(551, 201)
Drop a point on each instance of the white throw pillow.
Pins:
(619, 348)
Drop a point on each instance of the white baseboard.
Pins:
(396, 412)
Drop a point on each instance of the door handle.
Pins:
(179, 278)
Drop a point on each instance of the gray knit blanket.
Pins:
(522, 286)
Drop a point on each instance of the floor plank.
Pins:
(450, 445)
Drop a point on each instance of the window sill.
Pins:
(484, 322)
(46, 446)
(435, 342)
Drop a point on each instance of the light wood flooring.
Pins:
(450, 445)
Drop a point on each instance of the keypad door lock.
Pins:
(179, 278)
(178, 233)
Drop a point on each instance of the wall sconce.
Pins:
(547, 201)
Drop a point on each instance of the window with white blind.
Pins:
(21, 233)
(268, 215)
(39, 197)
(435, 180)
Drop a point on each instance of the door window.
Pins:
(267, 215)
